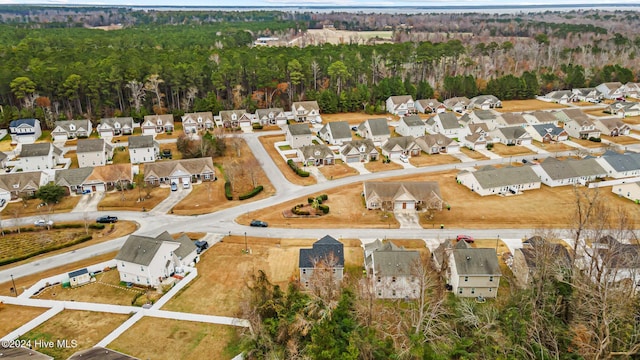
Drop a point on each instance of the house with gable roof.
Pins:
(490, 180)
(362, 150)
(583, 128)
(540, 117)
(147, 261)
(611, 90)
(25, 131)
(71, 129)
(430, 106)
(473, 272)
(457, 104)
(106, 178)
(537, 251)
(298, 135)
(490, 117)
(623, 109)
(180, 171)
(306, 111)
(484, 102)
(316, 155)
(157, 124)
(632, 89)
(94, 152)
(446, 124)
(401, 145)
(591, 95)
(410, 125)
(335, 133)
(546, 133)
(560, 97)
(22, 183)
(325, 258)
(375, 129)
(512, 119)
(619, 166)
(271, 116)
(392, 270)
(629, 190)
(437, 143)
(612, 127)
(39, 156)
(512, 135)
(400, 105)
(73, 179)
(477, 138)
(110, 127)
(143, 149)
(554, 172)
(615, 261)
(192, 123)
(236, 118)
(402, 195)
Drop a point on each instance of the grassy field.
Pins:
(115, 201)
(430, 160)
(30, 207)
(621, 140)
(71, 154)
(173, 339)
(375, 166)
(353, 119)
(86, 327)
(588, 143)
(337, 170)
(528, 105)
(14, 316)
(268, 144)
(552, 147)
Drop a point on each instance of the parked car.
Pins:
(166, 154)
(43, 222)
(201, 246)
(107, 219)
(466, 238)
(354, 128)
(186, 183)
(404, 158)
(2, 202)
(174, 186)
(258, 223)
(86, 191)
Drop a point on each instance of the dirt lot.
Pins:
(473, 154)
(553, 147)
(337, 170)
(86, 327)
(18, 208)
(430, 160)
(174, 339)
(224, 268)
(268, 143)
(14, 316)
(375, 166)
(113, 200)
(622, 140)
(504, 150)
(527, 105)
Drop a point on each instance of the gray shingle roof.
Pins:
(424, 191)
(489, 177)
(427, 141)
(543, 116)
(321, 249)
(378, 126)
(622, 162)
(299, 129)
(392, 260)
(142, 249)
(513, 132)
(404, 142)
(72, 177)
(91, 145)
(141, 142)
(400, 99)
(264, 113)
(476, 261)
(513, 119)
(544, 129)
(316, 151)
(123, 121)
(339, 129)
(571, 168)
(369, 147)
(413, 120)
(38, 149)
(448, 120)
(186, 246)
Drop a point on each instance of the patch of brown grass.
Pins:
(553, 147)
(527, 105)
(503, 150)
(633, 120)
(18, 209)
(114, 200)
(430, 160)
(14, 316)
(352, 118)
(622, 140)
(375, 166)
(71, 154)
(120, 155)
(175, 154)
(268, 144)
(588, 144)
(337, 170)
(205, 198)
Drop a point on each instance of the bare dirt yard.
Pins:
(14, 316)
(473, 154)
(375, 166)
(337, 170)
(86, 327)
(621, 140)
(129, 199)
(353, 119)
(174, 339)
(633, 120)
(528, 105)
(553, 147)
(430, 160)
(504, 150)
(224, 270)
(31, 207)
(268, 144)
(588, 143)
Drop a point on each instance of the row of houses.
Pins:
(609, 90)
(403, 105)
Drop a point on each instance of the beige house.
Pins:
(630, 191)
(306, 111)
(325, 258)
(156, 124)
(316, 155)
(298, 135)
(193, 123)
(392, 270)
(180, 171)
(23, 183)
(79, 277)
(93, 152)
(39, 156)
(108, 177)
(402, 145)
(271, 116)
(402, 195)
(437, 143)
(143, 149)
(474, 272)
(359, 151)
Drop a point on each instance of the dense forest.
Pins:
(56, 66)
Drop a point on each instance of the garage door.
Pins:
(94, 187)
(353, 159)
(394, 155)
(59, 137)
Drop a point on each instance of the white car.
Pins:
(43, 222)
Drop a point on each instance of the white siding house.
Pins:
(93, 152)
(143, 149)
(392, 270)
(411, 125)
(25, 131)
(499, 181)
(39, 156)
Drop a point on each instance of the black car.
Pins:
(201, 246)
(258, 223)
(107, 219)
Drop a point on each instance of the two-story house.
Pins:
(157, 124)
(612, 127)
(25, 131)
(581, 129)
(537, 253)
(143, 149)
(377, 130)
(335, 133)
(430, 106)
(411, 125)
(474, 272)
(587, 94)
(402, 145)
(477, 137)
(324, 261)
(392, 270)
(298, 135)
(547, 133)
(192, 123)
(39, 156)
(110, 127)
(93, 152)
(446, 124)
(271, 116)
(71, 129)
(306, 111)
(362, 150)
(611, 90)
(401, 105)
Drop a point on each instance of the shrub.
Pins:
(251, 193)
(309, 200)
(227, 190)
(324, 197)
(595, 139)
(324, 209)
(319, 200)
(295, 168)
(296, 210)
(67, 226)
(489, 146)
(257, 126)
(96, 226)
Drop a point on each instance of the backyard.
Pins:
(528, 105)
(14, 316)
(21, 208)
(268, 142)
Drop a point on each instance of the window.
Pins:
(393, 279)
(414, 291)
(304, 271)
(490, 278)
(393, 293)
(379, 293)
(490, 289)
(334, 271)
(122, 264)
(473, 290)
(379, 279)
(459, 290)
(466, 278)
(141, 268)
(306, 284)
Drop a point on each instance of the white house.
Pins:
(623, 109)
(93, 152)
(316, 155)
(492, 118)
(110, 127)
(335, 133)
(376, 130)
(554, 172)
(143, 149)
(619, 166)
(612, 127)
(499, 181)
(326, 256)
(477, 137)
(581, 128)
(632, 89)
(271, 116)
(400, 105)
(437, 143)
(193, 123)
(39, 156)
(512, 135)
(446, 124)
(298, 135)
(457, 104)
(25, 131)
(546, 133)
(306, 111)
(401, 145)
(611, 90)
(587, 94)
(560, 97)
(157, 124)
(411, 125)
(428, 106)
(630, 191)
(71, 129)
(392, 270)
(474, 272)
(484, 102)
(147, 261)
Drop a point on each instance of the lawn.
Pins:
(527, 105)
(503, 150)
(14, 316)
(25, 243)
(248, 172)
(5, 144)
(353, 119)
(30, 207)
(85, 327)
(472, 154)
(430, 160)
(375, 166)
(622, 140)
(121, 155)
(337, 170)
(71, 154)
(115, 201)
(553, 147)
(106, 289)
(633, 120)
(588, 143)
(177, 131)
(224, 269)
(205, 198)
(174, 339)
(268, 142)
(175, 154)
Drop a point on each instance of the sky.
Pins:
(354, 3)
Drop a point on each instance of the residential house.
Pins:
(477, 138)
(325, 260)
(79, 277)
(490, 117)
(157, 124)
(143, 149)
(619, 166)
(537, 252)
(192, 123)
(446, 124)
(316, 155)
(512, 135)
(271, 116)
(306, 111)
(71, 129)
(94, 152)
(582, 129)
(18, 352)
(457, 104)
(362, 150)
(484, 102)
(587, 95)
(623, 109)
(108, 177)
(630, 191)
(499, 181)
(612, 127)
(615, 261)
(547, 133)
(540, 117)
(560, 97)
(402, 195)
(566, 115)
(473, 272)
(512, 119)
(39, 156)
(402, 145)
(180, 171)
(335, 133)
(236, 118)
(3, 160)
(25, 131)
(376, 130)
(23, 183)
(611, 90)
(73, 179)
(299, 135)
(411, 125)
(437, 143)
(554, 172)
(632, 89)
(147, 261)
(98, 352)
(401, 105)
(393, 271)
(430, 106)
(110, 127)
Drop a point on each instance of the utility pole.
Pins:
(246, 248)
(15, 290)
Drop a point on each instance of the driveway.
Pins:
(489, 154)
(88, 202)
(360, 167)
(462, 157)
(535, 149)
(407, 219)
(172, 200)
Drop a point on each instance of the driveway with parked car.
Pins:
(175, 196)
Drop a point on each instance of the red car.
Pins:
(466, 238)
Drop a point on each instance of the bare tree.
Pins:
(253, 168)
(137, 93)
(153, 85)
(237, 142)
